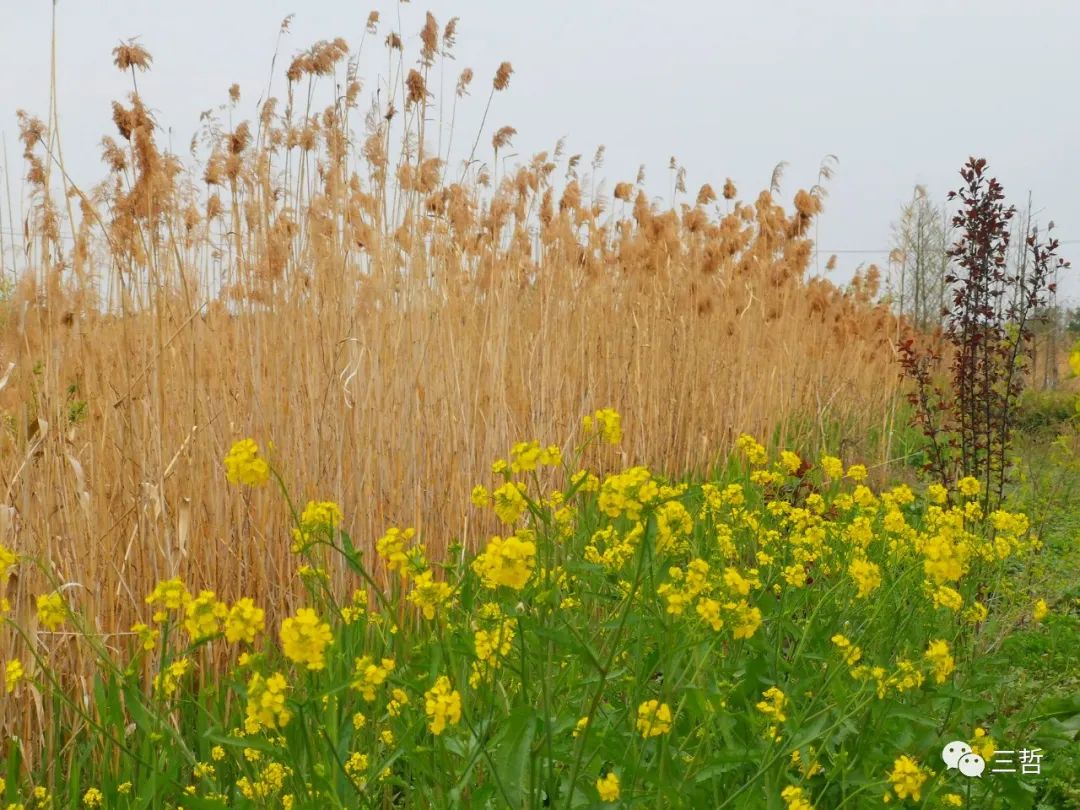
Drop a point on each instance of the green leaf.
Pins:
(511, 756)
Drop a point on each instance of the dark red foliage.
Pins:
(988, 325)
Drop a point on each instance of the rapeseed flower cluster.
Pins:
(609, 588)
(244, 621)
(305, 637)
(509, 502)
(867, 576)
(393, 547)
(908, 778)
(611, 548)
(773, 705)
(8, 560)
(168, 680)
(51, 610)
(607, 786)
(754, 451)
(244, 465)
(628, 493)
(795, 798)
(508, 561)
(606, 423)
(368, 676)
(527, 456)
(653, 718)
(491, 647)
(168, 595)
(940, 658)
(266, 707)
(429, 594)
(203, 616)
(442, 705)
(318, 518)
(13, 673)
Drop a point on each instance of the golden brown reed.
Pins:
(317, 286)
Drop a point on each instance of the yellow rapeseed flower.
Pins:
(8, 559)
(795, 575)
(266, 703)
(480, 496)
(1040, 611)
(399, 698)
(936, 493)
(318, 518)
(709, 611)
(510, 503)
(976, 613)
(551, 456)
(606, 422)
(736, 583)
(790, 462)
(244, 466)
(51, 610)
(13, 673)
(148, 636)
(773, 705)
(746, 619)
(938, 656)
(608, 787)
(355, 766)
(857, 472)
(244, 621)
(428, 594)
(496, 643)
(507, 561)
(947, 597)
(832, 467)
(866, 574)
(93, 798)
(907, 778)
(969, 486)
(795, 798)
(653, 718)
(203, 616)
(442, 705)
(525, 456)
(754, 452)
(167, 681)
(392, 549)
(368, 676)
(851, 652)
(305, 637)
(983, 744)
(168, 595)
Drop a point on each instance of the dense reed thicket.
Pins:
(327, 283)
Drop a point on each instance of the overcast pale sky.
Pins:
(902, 93)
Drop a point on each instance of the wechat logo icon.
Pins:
(958, 754)
(952, 752)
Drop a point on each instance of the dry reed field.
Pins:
(390, 330)
(298, 506)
